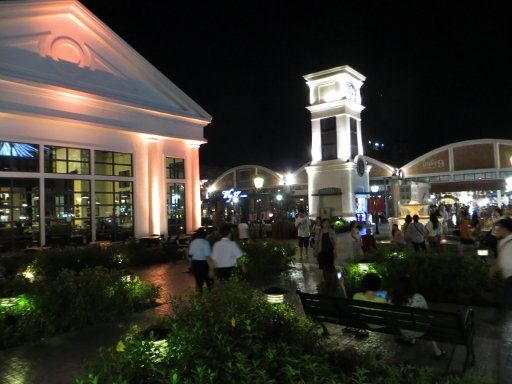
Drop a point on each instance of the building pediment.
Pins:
(63, 45)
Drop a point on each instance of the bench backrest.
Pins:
(454, 327)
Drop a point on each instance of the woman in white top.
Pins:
(398, 240)
(405, 295)
(357, 250)
(434, 231)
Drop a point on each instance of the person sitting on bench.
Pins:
(370, 285)
(404, 295)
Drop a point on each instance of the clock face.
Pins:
(351, 92)
(361, 166)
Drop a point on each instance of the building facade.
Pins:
(95, 143)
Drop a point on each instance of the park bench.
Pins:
(457, 328)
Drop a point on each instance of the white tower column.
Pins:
(338, 170)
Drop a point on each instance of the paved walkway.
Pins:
(58, 360)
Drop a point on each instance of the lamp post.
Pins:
(374, 189)
(258, 184)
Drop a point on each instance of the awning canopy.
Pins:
(470, 185)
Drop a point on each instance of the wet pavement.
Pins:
(60, 359)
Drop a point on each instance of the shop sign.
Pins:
(231, 195)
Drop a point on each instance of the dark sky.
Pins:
(436, 72)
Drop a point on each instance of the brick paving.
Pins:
(58, 360)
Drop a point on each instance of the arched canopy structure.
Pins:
(242, 177)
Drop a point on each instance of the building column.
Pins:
(154, 179)
(194, 187)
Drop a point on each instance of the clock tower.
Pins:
(338, 182)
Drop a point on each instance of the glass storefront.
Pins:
(19, 212)
(114, 210)
(175, 168)
(67, 211)
(176, 220)
(113, 163)
(19, 157)
(66, 160)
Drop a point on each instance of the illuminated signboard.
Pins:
(230, 195)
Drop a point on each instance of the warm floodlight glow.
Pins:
(508, 180)
(258, 182)
(289, 179)
(374, 188)
(482, 252)
(363, 267)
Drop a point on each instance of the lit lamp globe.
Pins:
(374, 188)
(279, 197)
(275, 295)
(258, 182)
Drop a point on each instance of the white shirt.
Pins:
(243, 231)
(434, 232)
(304, 226)
(225, 253)
(199, 249)
(415, 232)
(505, 256)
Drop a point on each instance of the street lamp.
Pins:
(374, 189)
(258, 184)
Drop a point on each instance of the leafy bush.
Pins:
(72, 300)
(232, 335)
(340, 225)
(447, 278)
(13, 262)
(134, 253)
(264, 258)
(51, 262)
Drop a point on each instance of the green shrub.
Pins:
(340, 225)
(448, 277)
(51, 262)
(13, 262)
(72, 300)
(266, 257)
(134, 253)
(232, 336)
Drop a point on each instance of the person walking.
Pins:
(199, 251)
(434, 231)
(407, 222)
(416, 233)
(225, 255)
(303, 225)
(325, 245)
(243, 231)
(504, 265)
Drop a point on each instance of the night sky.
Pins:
(436, 72)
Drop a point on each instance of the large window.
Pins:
(66, 160)
(175, 208)
(354, 151)
(113, 163)
(67, 210)
(328, 131)
(19, 157)
(114, 210)
(175, 168)
(19, 212)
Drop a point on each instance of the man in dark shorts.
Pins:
(303, 225)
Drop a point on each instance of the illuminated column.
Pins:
(154, 181)
(192, 188)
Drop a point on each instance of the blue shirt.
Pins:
(199, 249)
